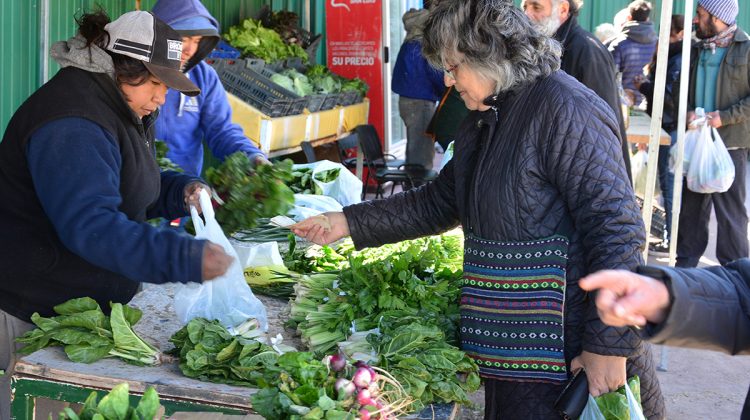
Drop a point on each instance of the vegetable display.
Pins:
(250, 194)
(407, 294)
(254, 40)
(116, 406)
(88, 335)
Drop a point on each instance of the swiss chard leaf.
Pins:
(148, 406)
(85, 353)
(115, 405)
(74, 306)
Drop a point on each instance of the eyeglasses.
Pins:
(449, 71)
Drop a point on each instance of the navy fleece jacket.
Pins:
(83, 205)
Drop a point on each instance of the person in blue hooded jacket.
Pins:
(185, 122)
(420, 87)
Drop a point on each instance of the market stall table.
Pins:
(639, 130)
(48, 373)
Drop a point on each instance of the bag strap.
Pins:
(208, 212)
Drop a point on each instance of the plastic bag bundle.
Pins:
(592, 411)
(345, 189)
(711, 168)
(227, 298)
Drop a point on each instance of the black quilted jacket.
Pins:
(545, 159)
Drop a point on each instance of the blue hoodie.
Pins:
(184, 122)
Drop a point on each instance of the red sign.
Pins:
(354, 42)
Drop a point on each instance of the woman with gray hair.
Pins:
(538, 184)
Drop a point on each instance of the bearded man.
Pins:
(720, 84)
(584, 57)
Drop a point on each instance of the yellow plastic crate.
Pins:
(277, 134)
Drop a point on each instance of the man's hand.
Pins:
(714, 119)
(215, 261)
(192, 195)
(322, 229)
(604, 373)
(625, 298)
(261, 160)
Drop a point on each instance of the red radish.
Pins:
(364, 414)
(362, 377)
(364, 398)
(338, 362)
(345, 388)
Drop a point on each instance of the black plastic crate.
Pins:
(349, 97)
(294, 63)
(298, 106)
(332, 99)
(255, 87)
(315, 102)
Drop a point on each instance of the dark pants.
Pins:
(731, 219)
(417, 113)
(666, 182)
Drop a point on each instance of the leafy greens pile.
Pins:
(116, 406)
(88, 335)
(409, 291)
(254, 40)
(249, 193)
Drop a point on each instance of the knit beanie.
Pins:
(724, 10)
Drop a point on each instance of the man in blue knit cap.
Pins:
(185, 122)
(719, 83)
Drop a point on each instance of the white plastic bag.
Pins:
(691, 137)
(228, 298)
(309, 205)
(345, 189)
(592, 411)
(257, 254)
(639, 166)
(711, 167)
(447, 156)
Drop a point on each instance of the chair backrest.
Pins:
(309, 152)
(345, 143)
(369, 141)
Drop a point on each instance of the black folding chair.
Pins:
(383, 170)
(307, 149)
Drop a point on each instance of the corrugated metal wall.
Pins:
(21, 31)
(21, 34)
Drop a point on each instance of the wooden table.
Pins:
(48, 373)
(639, 130)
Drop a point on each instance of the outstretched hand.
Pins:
(627, 298)
(322, 229)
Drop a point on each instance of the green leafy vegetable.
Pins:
(254, 40)
(614, 405)
(88, 335)
(250, 193)
(116, 406)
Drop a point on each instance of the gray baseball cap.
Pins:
(144, 37)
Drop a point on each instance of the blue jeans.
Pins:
(666, 181)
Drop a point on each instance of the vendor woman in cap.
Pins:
(186, 121)
(78, 180)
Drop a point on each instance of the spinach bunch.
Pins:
(208, 352)
(250, 193)
(88, 335)
(429, 369)
(116, 406)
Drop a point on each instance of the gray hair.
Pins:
(494, 38)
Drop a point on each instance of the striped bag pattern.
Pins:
(511, 306)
